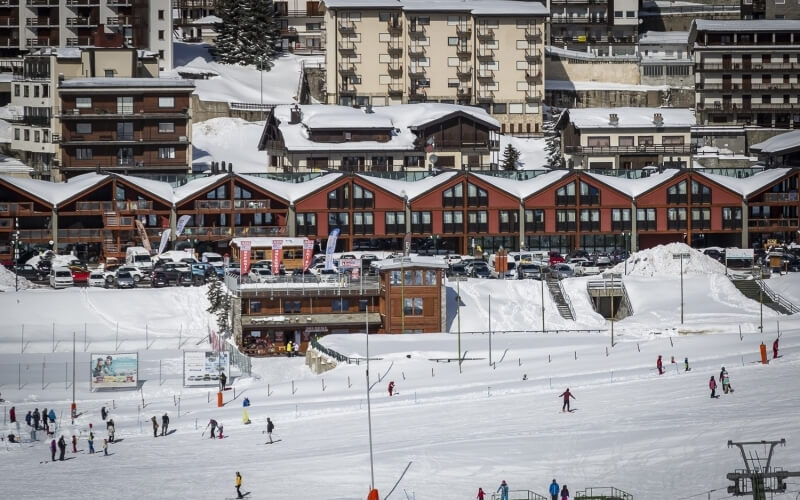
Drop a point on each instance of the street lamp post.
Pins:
(458, 315)
(541, 279)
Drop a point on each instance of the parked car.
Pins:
(328, 276)
(457, 270)
(61, 277)
(602, 259)
(172, 270)
(555, 257)
(205, 271)
(159, 279)
(96, 278)
(261, 275)
(137, 273)
(481, 272)
(583, 267)
(124, 279)
(44, 266)
(185, 278)
(28, 272)
(529, 271)
(561, 271)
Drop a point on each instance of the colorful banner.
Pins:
(164, 240)
(143, 236)
(182, 224)
(308, 253)
(244, 257)
(331, 248)
(204, 368)
(114, 371)
(277, 256)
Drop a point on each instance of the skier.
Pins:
(774, 350)
(712, 384)
(391, 388)
(222, 380)
(164, 424)
(28, 418)
(44, 418)
(722, 373)
(686, 364)
(12, 414)
(481, 494)
(53, 450)
(270, 428)
(297, 348)
(213, 424)
(155, 426)
(36, 418)
(554, 489)
(74, 444)
(105, 447)
(52, 416)
(289, 349)
(62, 447)
(103, 413)
(91, 442)
(245, 417)
(726, 383)
(566, 395)
(564, 493)
(238, 485)
(660, 366)
(246, 402)
(110, 429)
(503, 490)
(220, 431)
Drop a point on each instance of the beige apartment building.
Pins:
(488, 53)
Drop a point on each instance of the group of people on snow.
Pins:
(555, 491)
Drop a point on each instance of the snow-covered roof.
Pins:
(588, 118)
(783, 143)
(635, 187)
(664, 37)
(412, 189)
(410, 261)
(55, 193)
(747, 186)
(158, 188)
(767, 25)
(587, 56)
(194, 186)
(402, 118)
(102, 82)
(12, 166)
(208, 20)
(60, 52)
(292, 191)
(476, 7)
(525, 188)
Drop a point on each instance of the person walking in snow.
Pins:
(223, 379)
(44, 418)
(62, 447)
(91, 443)
(686, 364)
(52, 416)
(554, 489)
(53, 450)
(213, 424)
(564, 493)
(110, 428)
(238, 485)
(289, 349)
(155, 426)
(219, 434)
(726, 383)
(712, 384)
(481, 494)
(722, 373)
(36, 418)
(270, 428)
(566, 395)
(391, 388)
(660, 365)
(105, 447)
(246, 402)
(164, 424)
(103, 413)
(12, 414)
(775, 349)
(503, 490)
(28, 418)
(74, 444)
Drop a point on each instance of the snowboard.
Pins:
(273, 442)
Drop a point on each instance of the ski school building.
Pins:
(448, 211)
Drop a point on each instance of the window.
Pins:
(630, 13)
(700, 193)
(363, 223)
(452, 222)
(16, 90)
(590, 220)
(476, 197)
(26, 91)
(362, 198)
(166, 128)
(83, 102)
(45, 90)
(645, 140)
(617, 13)
(166, 102)
(83, 154)
(652, 70)
(701, 218)
(565, 220)
(646, 219)
(35, 91)
(161, 56)
(673, 70)
(27, 134)
(676, 218)
(452, 40)
(166, 153)
(565, 195)
(598, 141)
(340, 305)
(160, 15)
(626, 140)
(339, 220)
(109, 73)
(421, 222)
(672, 140)
(534, 220)
(160, 34)
(306, 224)
(16, 134)
(124, 131)
(677, 193)
(125, 105)
(36, 136)
(125, 156)
(412, 306)
(590, 195)
(499, 108)
(395, 222)
(477, 221)
(732, 218)
(454, 196)
(339, 197)
(509, 221)
(255, 306)
(83, 128)
(620, 219)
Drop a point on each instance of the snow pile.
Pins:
(659, 261)
(55, 260)
(231, 140)
(8, 281)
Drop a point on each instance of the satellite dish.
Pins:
(433, 159)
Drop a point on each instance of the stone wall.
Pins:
(585, 71)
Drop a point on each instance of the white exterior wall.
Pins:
(163, 47)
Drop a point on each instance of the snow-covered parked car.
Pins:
(96, 278)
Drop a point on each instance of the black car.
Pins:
(457, 271)
(481, 272)
(28, 272)
(171, 270)
(44, 266)
(159, 279)
(187, 278)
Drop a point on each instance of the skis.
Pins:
(273, 442)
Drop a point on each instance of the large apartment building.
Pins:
(746, 72)
(601, 27)
(301, 24)
(27, 25)
(37, 128)
(488, 53)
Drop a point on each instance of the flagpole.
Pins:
(369, 407)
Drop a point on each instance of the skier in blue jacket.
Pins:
(554, 489)
(503, 490)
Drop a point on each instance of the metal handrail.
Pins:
(603, 492)
(566, 299)
(776, 297)
(627, 299)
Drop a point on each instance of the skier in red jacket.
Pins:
(391, 388)
(712, 384)
(660, 366)
(775, 349)
(566, 395)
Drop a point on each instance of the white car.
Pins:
(328, 275)
(452, 259)
(261, 275)
(136, 272)
(61, 277)
(96, 278)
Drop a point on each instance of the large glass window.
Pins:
(395, 222)
(565, 220)
(166, 102)
(421, 222)
(590, 220)
(677, 193)
(83, 102)
(476, 197)
(306, 224)
(339, 220)
(509, 221)
(412, 306)
(125, 105)
(125, 131)
(478, 221)
(701, 218)
(362, 198)
(621, 219)
(363, 223)
(454, 196)
(590, 195)
(676, 218)
(645, 219)
(565, 195)
(452, 221)
(731, 217)
(700, 193)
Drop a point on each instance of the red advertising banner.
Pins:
(244, 257)
(277, 254)
(308, 253)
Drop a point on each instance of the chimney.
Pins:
(613, 119)
(658, 119)
(296, 115)
(223, 166)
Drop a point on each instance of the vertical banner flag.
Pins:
(407, 244)
(308, 252)
(330, 248)
(244, 257)
(164, 240)
(182, 224)
(143, 236)
(277, 253)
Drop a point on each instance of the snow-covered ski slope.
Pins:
(657, 437)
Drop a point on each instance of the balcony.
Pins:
(416, 30)
(347, 47)
(395, 70)
(566, 200)
(41, 42)
(464, 92)
(85, 22)
(464, 72)
(9, 42)
(251, 205)
(105, 207)
(484, 33)
(737, 67)
(532, 97)
(80, 41)
(79, 235)
(114, 221)
(774, 224)
(212, 205)
(416, 51)
(485, 95)
(532, 36)
(533, 77)
(395, 89)
(347, 91)
(485, 74)
(124, 3)
(416, 71)
(41, 3)
(417, 93)
(533, 56)
(781, 197)
(485, 53)
(83, 3)
(568, 226)
(41, 22)
(395, 48)
(9, 21)
(347, 69)
(747, 107)
(14, 209)
(395, 28)
(348, 27)
(569, 19)
(464, 51)
(746, 87)
(259, 230)
(121, 21)
(208, 232)
(464, 30)
(732, 224)
(683, 149)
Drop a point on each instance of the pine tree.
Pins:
(248, 34)
(220, 304)
(227, 45)
(510, 158)
(264, 33)
(553, 139)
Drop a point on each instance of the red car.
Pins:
(555, 258)
(79, 274)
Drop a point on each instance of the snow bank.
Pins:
(56, 260)
(659, 261)
(532, 152)
(231, 140)
(8, 281)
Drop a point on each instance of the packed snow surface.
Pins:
(8, 281)
(231, 140)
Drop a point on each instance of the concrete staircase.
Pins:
(560, 298)
(757, 290)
